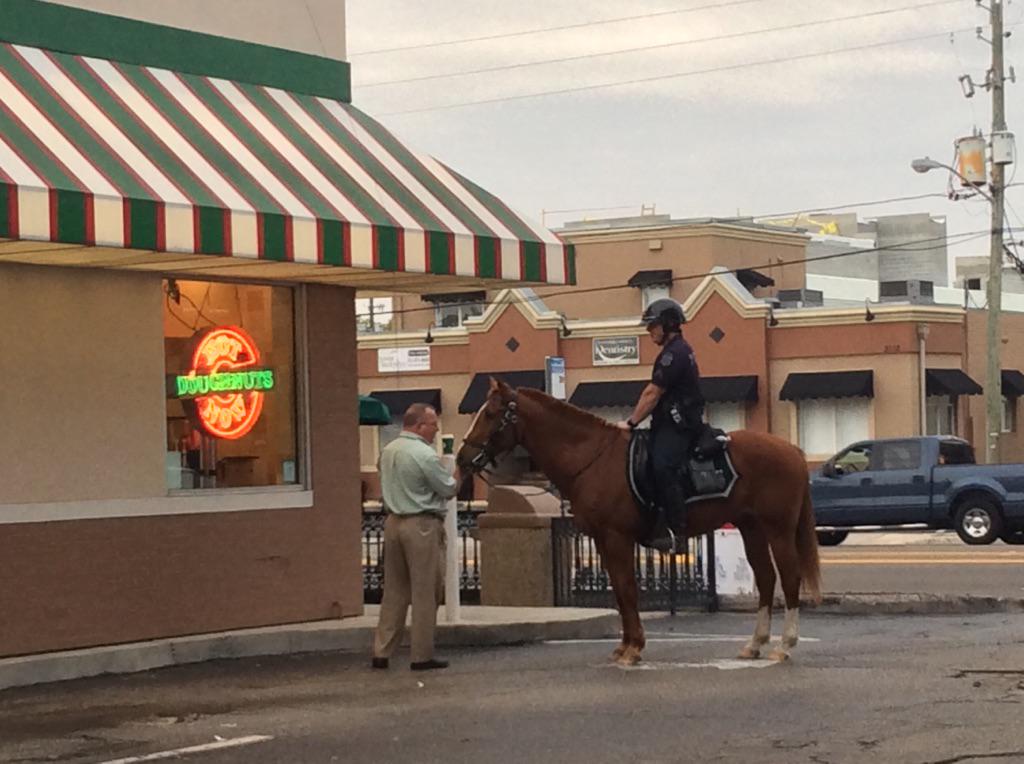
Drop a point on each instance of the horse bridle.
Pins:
(509, 417)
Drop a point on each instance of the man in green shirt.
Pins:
(415, 486)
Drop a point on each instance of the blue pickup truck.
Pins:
(932, 482)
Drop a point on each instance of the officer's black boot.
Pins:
(669, 534)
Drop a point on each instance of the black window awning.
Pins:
(752, 279)
(617, 393)
(398, 401)
(828, 384)
(729, 389)
(456, 297)
(650, 278)
(949, 382)
(626, 392)
(476, 393)
(1013, 383)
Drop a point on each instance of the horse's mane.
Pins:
(564, 409)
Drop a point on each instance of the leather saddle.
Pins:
(707, 471)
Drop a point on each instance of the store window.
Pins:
(1009, 423)
(826, 425)
(453, 314)
(374, 315)
(388, 432)
(728, 415)
(653, 292)
(229, 354)
(940, 415)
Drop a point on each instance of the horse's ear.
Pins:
(494, 385)
(504, 390)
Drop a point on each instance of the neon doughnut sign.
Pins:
(226, 382)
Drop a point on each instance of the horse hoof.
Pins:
(779, 656)
(628, 658)
(749, 653)
(617, 652)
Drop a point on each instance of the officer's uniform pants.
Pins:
(413, 574)
(669, 447)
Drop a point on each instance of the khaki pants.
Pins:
(413, 573)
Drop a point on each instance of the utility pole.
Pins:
(993, 343)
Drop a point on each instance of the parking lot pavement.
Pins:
(879, 689)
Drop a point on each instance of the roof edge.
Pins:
(100, 35)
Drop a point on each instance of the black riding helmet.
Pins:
(666, 312)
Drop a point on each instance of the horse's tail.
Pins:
(807, 548)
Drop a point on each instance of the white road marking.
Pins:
(682, 637)
(233, 743)
(724, 664)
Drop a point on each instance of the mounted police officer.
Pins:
(674, 402)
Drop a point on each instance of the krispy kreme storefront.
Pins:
(184, 223)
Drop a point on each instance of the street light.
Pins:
(925, 164)
(993, 374)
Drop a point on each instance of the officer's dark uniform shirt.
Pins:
(676, 372)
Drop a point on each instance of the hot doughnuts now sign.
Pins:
(226, 383)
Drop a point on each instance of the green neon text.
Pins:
(196, 385)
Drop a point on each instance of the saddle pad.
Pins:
(641, 480)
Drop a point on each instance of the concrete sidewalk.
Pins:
(478, 626)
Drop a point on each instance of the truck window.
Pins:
(900, 455)
(854, 459)
(953, 452)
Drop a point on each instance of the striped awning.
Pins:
(107, 154)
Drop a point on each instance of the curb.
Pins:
(323, 636)
(889, 604)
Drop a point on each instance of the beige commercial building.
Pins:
(185, 217)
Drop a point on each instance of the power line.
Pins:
(910, 245)
(660, 46)
(541, 30)
(677, 75)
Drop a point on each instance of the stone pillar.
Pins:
(515, 547)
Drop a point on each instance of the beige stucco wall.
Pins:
(82, 403)
(612, 258)
(308, 26)
(1011, 445)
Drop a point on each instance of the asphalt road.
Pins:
(903, 689)
(927, 568)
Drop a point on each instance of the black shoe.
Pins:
(429, 665)
(379, 663)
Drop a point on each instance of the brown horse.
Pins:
(585, 457)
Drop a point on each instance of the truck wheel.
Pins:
(978, 520)
(832, 538)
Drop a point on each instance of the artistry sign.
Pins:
(226, 382)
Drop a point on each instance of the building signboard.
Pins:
(554, 377)
(616, 351)
(395, 360)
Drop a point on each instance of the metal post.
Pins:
(452, 540)
(712, 573)
(993, 381)
(922, 338)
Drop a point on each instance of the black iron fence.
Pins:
(666, 581)
(466, 542)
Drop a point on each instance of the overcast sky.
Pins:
(760, 139)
